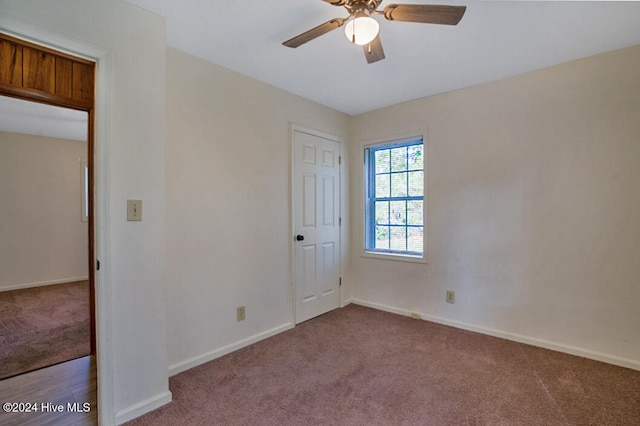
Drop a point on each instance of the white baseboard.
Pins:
(347, 302)
(559, 347)
(382, 307)
(43, 283)
(217, 353)
(143, 407)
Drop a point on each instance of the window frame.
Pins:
(84, 171)
(368, 216)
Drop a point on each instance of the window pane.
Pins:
(399, 159)
(382, 186)
(382, 161)
(398, 212)
(414, 213)
(399, 185)
(415, 157)
(382, 212)
(416, 184)
(85, 192)
(398, 238)
(382, 237)
(415, 240)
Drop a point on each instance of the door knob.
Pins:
(299, 237)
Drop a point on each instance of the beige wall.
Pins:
(228, 212)
(43, 239)
(533, 208)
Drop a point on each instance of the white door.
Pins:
(316, 202)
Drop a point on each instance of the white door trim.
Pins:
(29, 32)
(292, 129)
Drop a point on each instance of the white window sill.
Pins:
(395, 256)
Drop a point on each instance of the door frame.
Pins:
(30, 33)
(292, 242)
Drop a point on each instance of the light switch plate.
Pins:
(134, 210)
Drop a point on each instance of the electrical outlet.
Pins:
(451, 296)
(240, 313)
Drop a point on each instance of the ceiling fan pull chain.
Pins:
(369, 48)
(353, 37)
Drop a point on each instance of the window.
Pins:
(394, 219)
(85, 191)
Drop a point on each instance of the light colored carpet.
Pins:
(43, 326)
(359, 366)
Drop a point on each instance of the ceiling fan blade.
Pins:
(425, 13)
(337, 2)
(314, 33)
(373, 51)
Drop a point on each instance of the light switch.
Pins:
(134, 210)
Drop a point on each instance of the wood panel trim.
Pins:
(21, 42)
(45, 75)
(10, 63)
(44, 97)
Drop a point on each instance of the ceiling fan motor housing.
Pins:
(361, 7)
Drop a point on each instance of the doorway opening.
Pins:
(44, 277)
(49, 78)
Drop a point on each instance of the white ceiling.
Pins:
(32, 118)
(495, 39)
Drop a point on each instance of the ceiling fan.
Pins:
(362, 29)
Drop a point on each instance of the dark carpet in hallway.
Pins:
(43, 326)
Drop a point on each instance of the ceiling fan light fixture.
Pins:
(365, 29)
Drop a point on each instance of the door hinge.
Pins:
(340, 282)
(97, 265)
(339, 159)
(340, 221)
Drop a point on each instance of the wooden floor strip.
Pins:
(70, 385)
